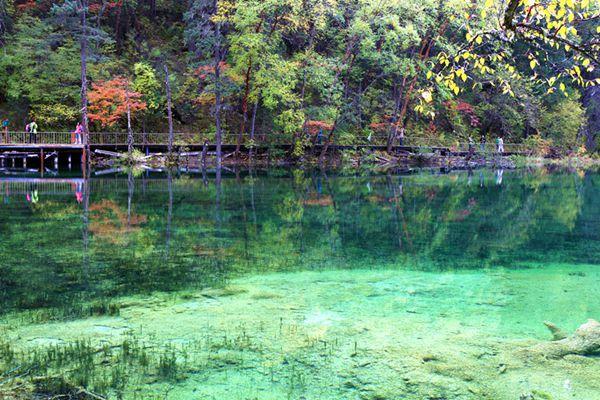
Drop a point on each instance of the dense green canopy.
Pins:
(355, 68)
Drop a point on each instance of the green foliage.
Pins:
(562, 123)
(41, 72)
(540, 147)
(146, 83)
(350, 63)
(290, 121)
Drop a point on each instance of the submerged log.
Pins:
(585, 341)
(557, 333)
(111, 153)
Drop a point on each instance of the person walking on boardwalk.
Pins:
(77, 134)
(499, 145)
(482, 143)
(5, 123)
(320, 136)
(33, 128)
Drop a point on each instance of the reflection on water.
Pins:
(74, 248)
(64, 238)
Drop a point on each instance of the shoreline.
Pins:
(351, 160)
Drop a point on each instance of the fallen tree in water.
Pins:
(584, 342)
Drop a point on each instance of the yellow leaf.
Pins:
(427, 96)
(532, 64)
(562, 31)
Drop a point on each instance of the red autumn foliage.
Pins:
(465, 109)
(108, 101)
(95, 8)
(314, 127)
(385, 126)
(27, 5)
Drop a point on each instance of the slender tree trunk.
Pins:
(253, 127)
(347, 61)
(118, 26)
(169, 108)
(247, 80)
(129, 129)
(3, 22)
(327, 142)
(394, 128)
(84, 84)
(311, 38)
(218, 99)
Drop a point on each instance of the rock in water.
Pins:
(585, 342)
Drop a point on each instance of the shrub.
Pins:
(539, 146)
(563, 122)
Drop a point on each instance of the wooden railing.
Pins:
(424, 144)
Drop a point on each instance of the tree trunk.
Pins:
(247, 79)
(394, 128)
(169, 109)
(129, 130)
(218, 133)
(253, 127)
(3, 22)
(84, 95)
(327, 142)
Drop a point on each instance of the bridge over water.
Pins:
(45, 147)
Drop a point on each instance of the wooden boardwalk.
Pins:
(44, 143)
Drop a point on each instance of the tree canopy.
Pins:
(250, 70)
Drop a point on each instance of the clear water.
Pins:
(299, 285)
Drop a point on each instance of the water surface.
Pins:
(299, 284)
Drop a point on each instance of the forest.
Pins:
(250, 70)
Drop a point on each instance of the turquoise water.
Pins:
(298, 285)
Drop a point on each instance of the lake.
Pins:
(294, 284)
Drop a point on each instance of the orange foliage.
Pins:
(27, 5)
(324, 201)
(314, 127)
(109, 222)
(203, 71)
(108, 101)
(466, 109)
(96, 7)
(384, 126)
